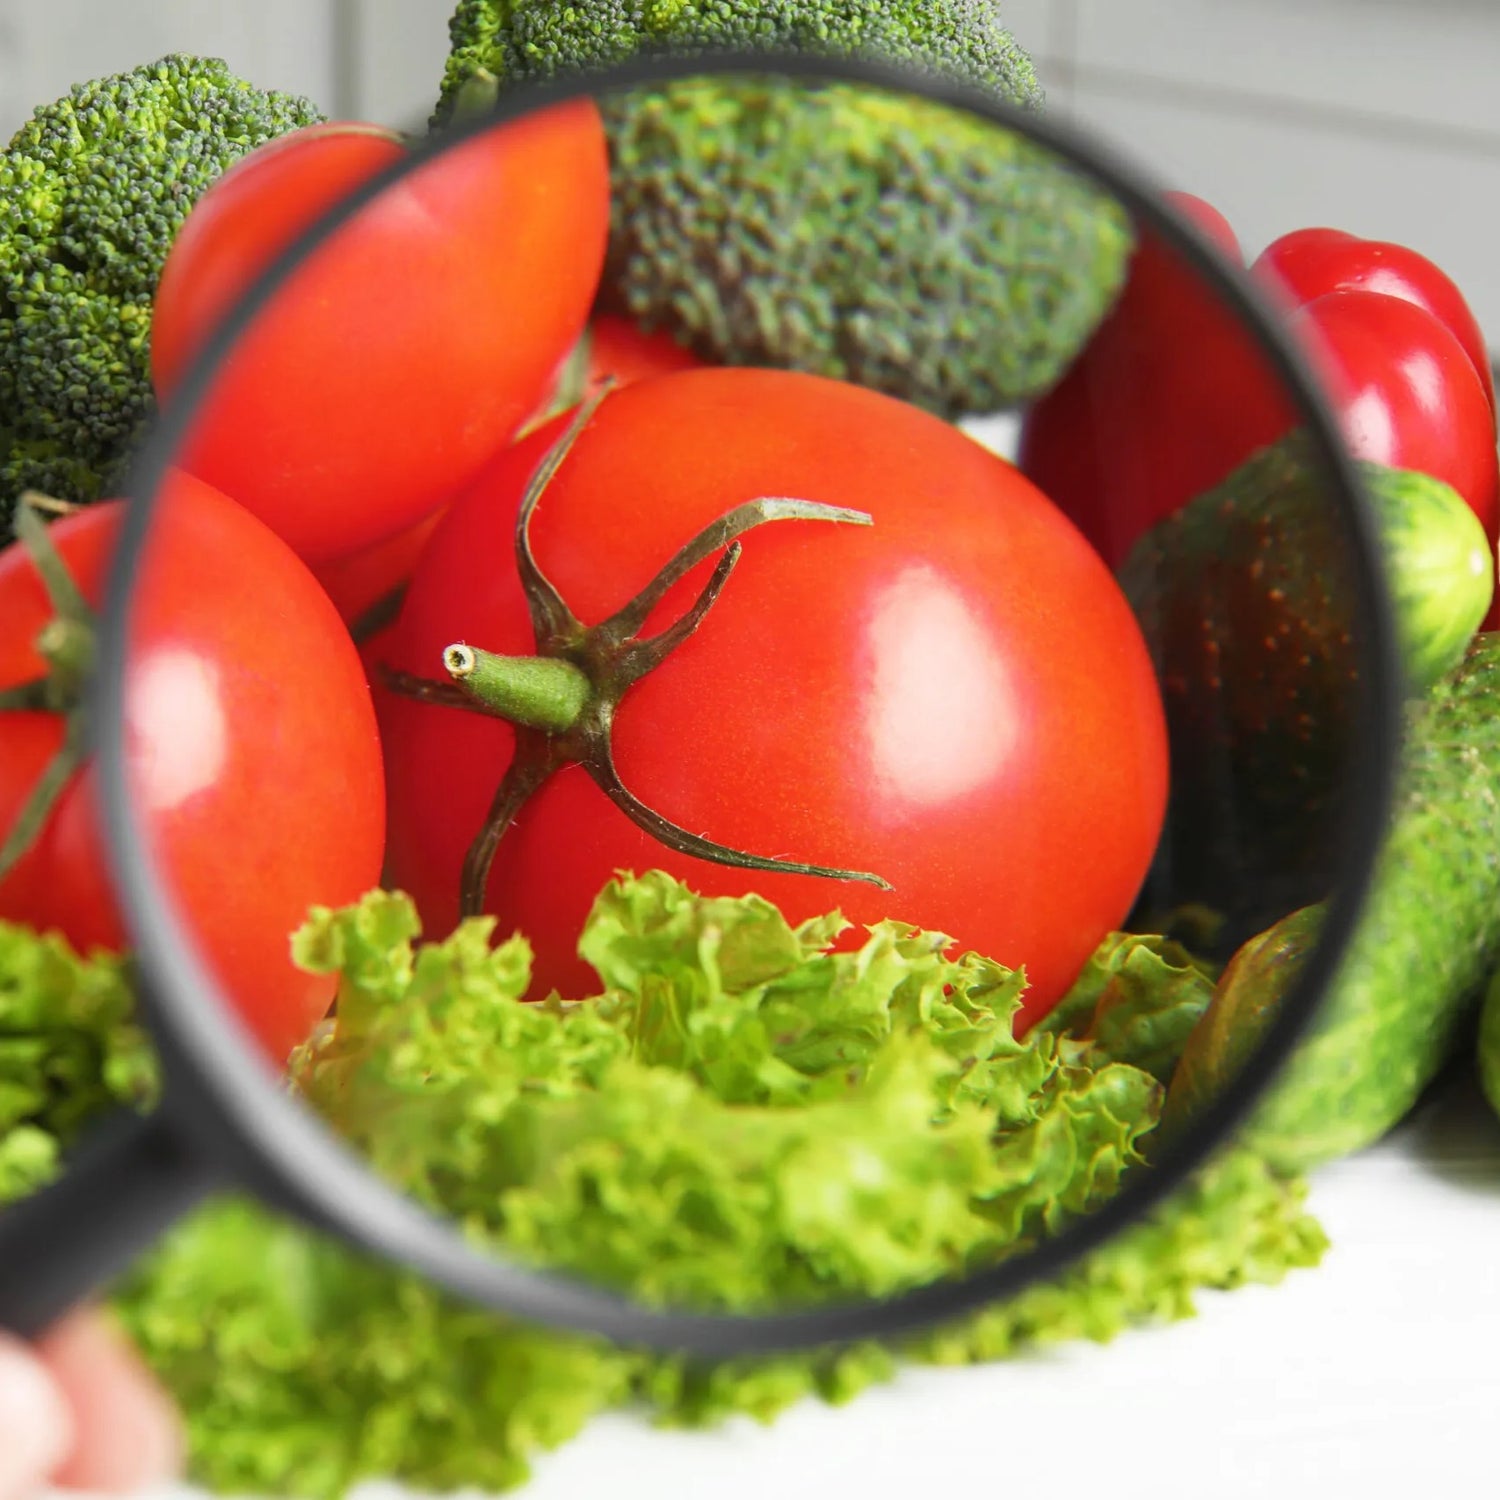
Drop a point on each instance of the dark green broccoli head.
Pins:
(836, 229)
(532, 38)
(917, 250)
(93, 188)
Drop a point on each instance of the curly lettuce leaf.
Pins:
(305, 1369)
(1135, 1002)
(70, 1048)
(745, 1117)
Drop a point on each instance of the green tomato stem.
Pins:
(37, 808)
(66, 645)
(63, 593)
(564, 711)
(540, 692)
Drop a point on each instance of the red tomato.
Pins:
(617, 350)
(1307, 263)
(251, 734)
(614, 349)
(358, 583)
(411, 345)
(260, 206)
(1168, 397)
(957, 698)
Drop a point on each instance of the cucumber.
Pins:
(1246, 599)
(1406, 991)
(1489, 1043)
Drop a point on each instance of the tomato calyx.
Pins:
(562, 700)
(66, 645)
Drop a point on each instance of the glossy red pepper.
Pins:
(1172, 394)
(1405, 392)
(1310, 263)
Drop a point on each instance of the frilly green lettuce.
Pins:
(1135, 1002)
(69, 1049)
(678, 1134)
(744, 1117)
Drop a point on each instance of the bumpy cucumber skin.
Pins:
(1441, 574)
(1407, 989)
(1489, 1043)
(1246, 597)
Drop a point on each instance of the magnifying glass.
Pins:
(765, 749)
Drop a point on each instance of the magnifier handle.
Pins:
(123, 1186)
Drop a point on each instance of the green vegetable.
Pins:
(1137, 1001)
(1441, 573)
(1489, 1042)
(1406, 989)
(304, 1368)
(93, 189)
(743, 1118)
(69, 1049)
(526, 38)
(1247, 600)
(839, 230)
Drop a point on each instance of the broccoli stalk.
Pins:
(93, 188)
(838, 229)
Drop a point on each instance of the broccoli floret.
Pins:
(93, 188)
(530, 38)
(843, 230)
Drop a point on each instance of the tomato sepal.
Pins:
(562, 700)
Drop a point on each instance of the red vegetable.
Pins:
(1404, 391)
(411, 345)
(620, 351)
(956, 699)
(252, 735)
(1170, 394)
(1308, 263)
(612, 348)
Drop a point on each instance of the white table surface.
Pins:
(1377, 1372)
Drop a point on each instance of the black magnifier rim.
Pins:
(222, 1092)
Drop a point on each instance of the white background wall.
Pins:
(1377, 116)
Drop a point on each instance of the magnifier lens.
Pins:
(885, 628)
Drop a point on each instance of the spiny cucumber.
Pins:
(1246, 597)
(1427, 938)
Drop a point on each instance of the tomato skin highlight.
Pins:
(1309, 263)
(411, 344)
(251, 730)
(956, 698)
